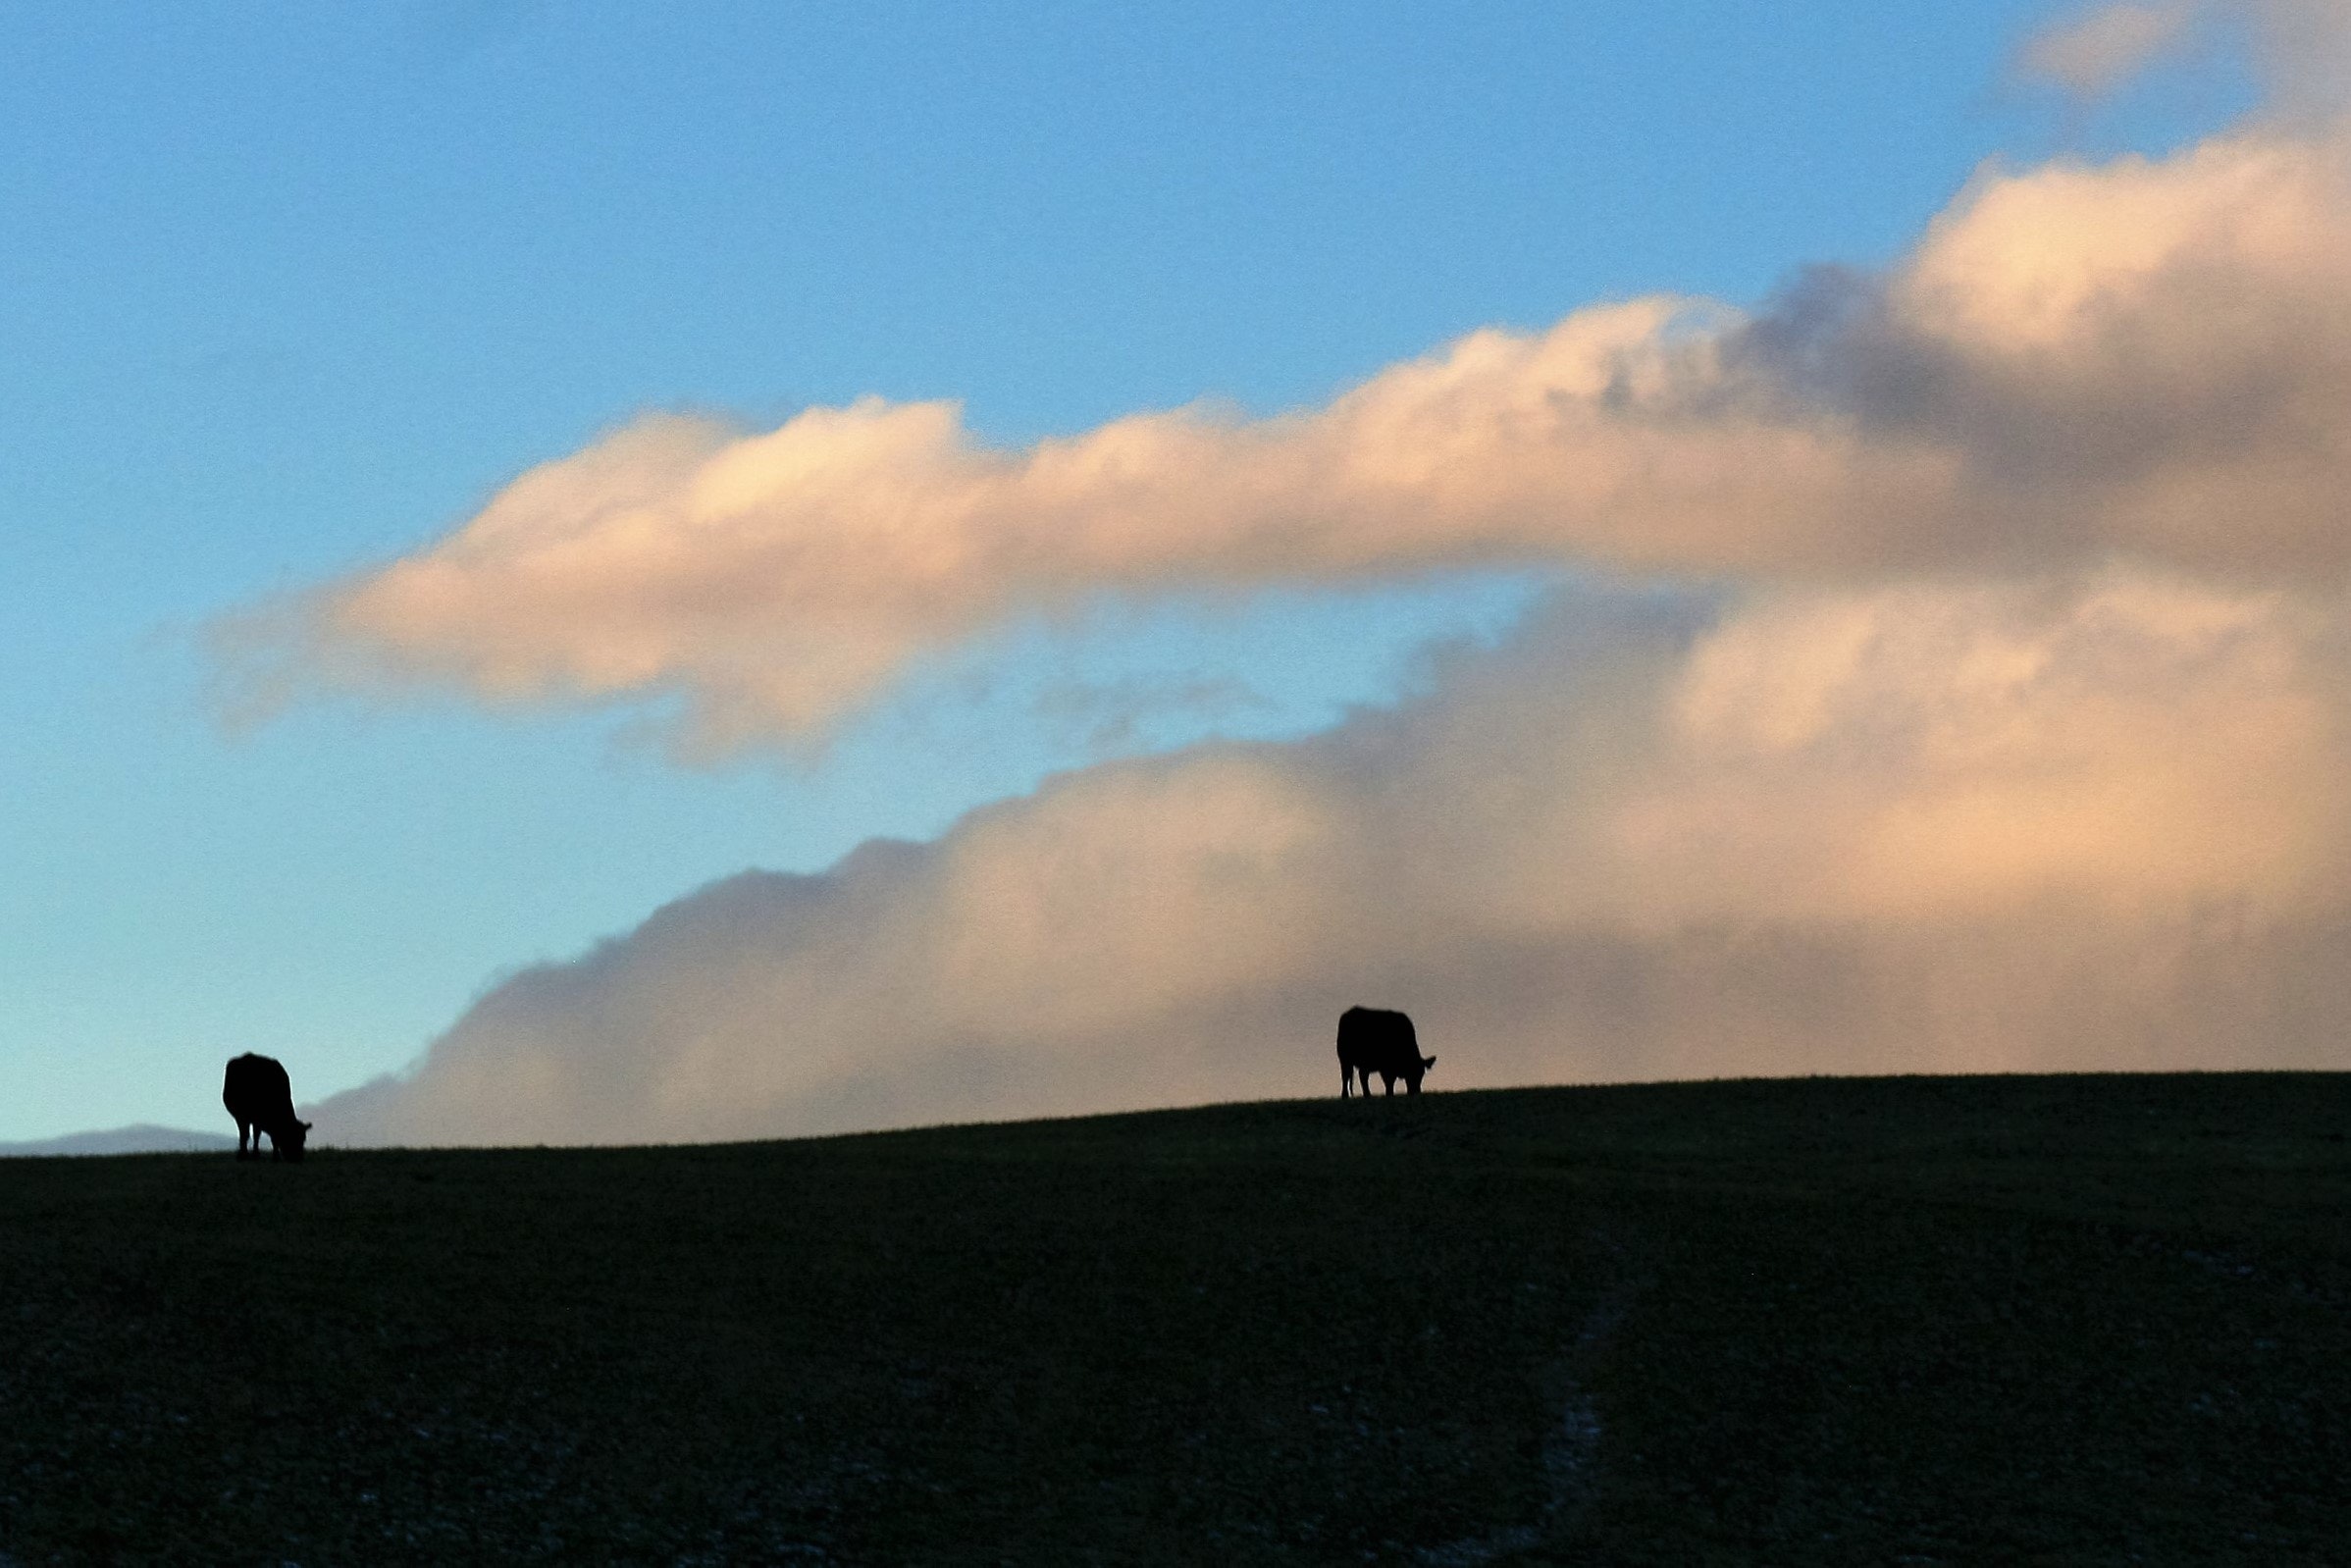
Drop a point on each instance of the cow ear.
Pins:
(305, 1126)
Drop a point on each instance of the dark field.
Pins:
(1979, 1320)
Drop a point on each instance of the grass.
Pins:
(2062, 1319)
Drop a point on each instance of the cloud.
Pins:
(2301, 48)
(2096, 52)
(2096, 823)
(2143, 358)
(1957, 680)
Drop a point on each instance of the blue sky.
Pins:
(289, 291)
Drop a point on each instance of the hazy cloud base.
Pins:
(1954, 679)
(2091, 825)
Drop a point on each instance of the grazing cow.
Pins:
(1375, 1041)
(258, 1095)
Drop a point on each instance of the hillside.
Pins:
(1825, 1321)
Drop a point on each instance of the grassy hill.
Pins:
(2075, 1320)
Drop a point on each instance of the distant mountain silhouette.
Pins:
(145, 1138)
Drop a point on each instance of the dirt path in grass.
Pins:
(1570, 1449)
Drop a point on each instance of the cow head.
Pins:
(288, 1145)
(1426, 1063)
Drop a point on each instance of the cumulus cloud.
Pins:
(1965, 688)
(2143, 358)
(2088, 824)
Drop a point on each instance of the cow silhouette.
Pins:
(1375, 1041)
(257, 1094)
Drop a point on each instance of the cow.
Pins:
(1375, 1041)
(257, 1094)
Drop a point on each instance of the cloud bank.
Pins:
(2144, 358)
(2093, 825)
(1956, 682)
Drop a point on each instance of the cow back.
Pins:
(256, 1089)
(1378, 1039)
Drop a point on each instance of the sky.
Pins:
(595, 573)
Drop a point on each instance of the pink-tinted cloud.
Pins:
(1973, 695)
(2145, 358)
(2093, 824)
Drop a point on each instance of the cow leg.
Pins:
(243, 1131)
(1389, 1079)
(1347, 1080)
